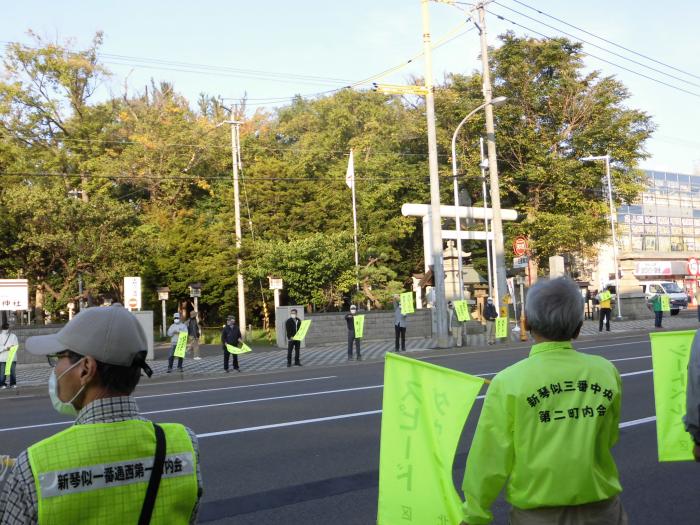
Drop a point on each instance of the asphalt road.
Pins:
(301, 446)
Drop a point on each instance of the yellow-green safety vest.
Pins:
(98, 473)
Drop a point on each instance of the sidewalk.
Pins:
(276, 359)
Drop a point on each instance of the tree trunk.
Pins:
(39, 304)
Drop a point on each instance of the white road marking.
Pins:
(625, 424)
(630, 358)
(236, 387)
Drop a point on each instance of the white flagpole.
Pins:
(350, 181)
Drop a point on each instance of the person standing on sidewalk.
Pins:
(174, 334)
(231, 335)
(291, 327)
(490, 314)
(658, 310)
(350, 320)
(604, 299)
(454, 324)
(7, 341)
(399, 325)
(193, 334)
(697, 300)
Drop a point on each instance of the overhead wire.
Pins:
(597, 46)
(624, 68)
(607, 40)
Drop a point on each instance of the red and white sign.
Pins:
(520, 245)
(132, 293)
(693, 266)
(653, 268)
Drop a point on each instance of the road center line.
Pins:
(236, 387)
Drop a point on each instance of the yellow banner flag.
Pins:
(462, 310)
(303, 328)
(502, 327)
(670, 353)
(359, 321)
(406, 301)
(423, 413)
(244, 349)
(181, 346)
(665, 303)
(10, 359)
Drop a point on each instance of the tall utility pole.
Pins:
(440, 309)
(500, 285)
(235, 143)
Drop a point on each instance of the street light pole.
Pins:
(496, 222)
(606, 158)
(440, 310)
(496, 102)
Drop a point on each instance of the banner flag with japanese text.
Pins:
(670, 353)
(462, 310)
(244, 349)
(10, 359)
(501, 327)
(665, 303)
(303, 328)
(359, 323)
(181, 346)
(424, 410)
(406, 302)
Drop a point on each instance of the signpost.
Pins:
(163, 294)
(276, 284)
(520, 245)
(132, 293)
(520, 262)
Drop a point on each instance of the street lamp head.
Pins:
(498, 101)
(591, 158)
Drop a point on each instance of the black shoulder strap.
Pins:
(154, 481)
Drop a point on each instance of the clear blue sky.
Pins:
(349, 41)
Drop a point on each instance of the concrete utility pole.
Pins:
(440, 310)
(235, 152)
(500, 285)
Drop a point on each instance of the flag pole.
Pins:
(350, 181)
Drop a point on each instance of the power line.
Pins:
(608, 41)
(501, 17)
(597, 46)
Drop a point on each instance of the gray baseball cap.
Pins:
(110, 334)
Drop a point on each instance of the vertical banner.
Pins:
(670, 352)
(406, 300)
(359, 321)
(132, 293)
(10, 359)
(244, 349)
(462, 310)
(423, 413)
(501, 327)
(303, 328)
(665, 303)
(181, 346)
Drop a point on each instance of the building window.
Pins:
(636, 244)
(664, 244)
(650, 243)
(676, 244)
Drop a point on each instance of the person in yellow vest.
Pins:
(604, 299)
(548, 425)
(112, 466)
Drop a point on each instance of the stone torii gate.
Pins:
(451, 212)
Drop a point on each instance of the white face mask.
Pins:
(176, 321)
(62, 407)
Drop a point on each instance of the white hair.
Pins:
(554, 308)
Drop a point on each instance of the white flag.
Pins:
(350, 174)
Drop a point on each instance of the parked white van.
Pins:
(677, 297)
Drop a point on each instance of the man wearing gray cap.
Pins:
(111, 466)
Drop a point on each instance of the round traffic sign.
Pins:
(133, 303)
(693, 266)
(520, 245)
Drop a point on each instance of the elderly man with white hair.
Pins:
(548, 425)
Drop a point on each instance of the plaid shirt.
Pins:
(18, 501)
